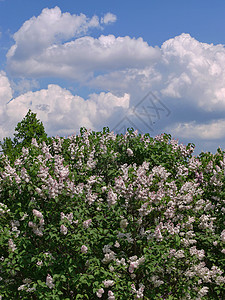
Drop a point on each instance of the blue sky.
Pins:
(156, 66)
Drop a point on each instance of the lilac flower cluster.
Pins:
(139, 233)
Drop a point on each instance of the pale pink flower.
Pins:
(87, 223)
(49, 281)
(84, 249)
(130, 152)
(37, 213)
(12, 245)
(108, 283)
(112, 197)
(63, 229)
(203, 291)
(111, 295)
(30, 224)
(41, 222)
(100, 292)
(117, 245)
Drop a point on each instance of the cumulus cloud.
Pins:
(79, 59)
(61, 112)
(49, 28)
(24, 85)
(108, 18)
(186, 75)
(5, 89)
(41, 49)
(193, 130)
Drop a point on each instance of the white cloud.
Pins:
(193, 130)
(61, 112)
(79, 59)
(24, 85)
(48, 45)
(108, 18)
(187, 76)
(49, 28)
(5, 89)
(5, 96)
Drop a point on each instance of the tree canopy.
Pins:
(30, 127)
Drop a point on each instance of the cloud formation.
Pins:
(108, 18)
(48, 46)
(209, 131)
(49, 28)
(186, 75)
(61, 112)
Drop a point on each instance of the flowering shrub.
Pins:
(100, 216)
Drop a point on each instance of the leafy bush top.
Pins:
(114, 217)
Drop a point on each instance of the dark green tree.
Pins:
(30, 127)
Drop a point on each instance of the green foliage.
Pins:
(136, 185)
(30, 127)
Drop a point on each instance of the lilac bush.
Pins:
(104, 216)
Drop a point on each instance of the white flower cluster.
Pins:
(87, 223)
(61, 171)
(158, 234)
(203, 291)
(138, 293)
(91, 163)
(126, 235)
(204, 222)
(194, 163)
(38, 230)
(122, 261)
(135, 262)
(178, 254)
(205, 274)
(111, 295)
(209, 167)
(181, 170)
(14, 225)
(109, 254)
(63, 229)
(24, 175)
(156, 281)
(69, 217)
(49, 281)
(3, 209)
(101, 291)
(199, 253)
(91, 197)
(57, 146)
(43, 172)
(161, 172)
(216, 179)
(108, 283)
(26, 285)
(187, 241)
(130, 152)
(223, 236)
(111, 198)
(84, 249)
(160, 138)
(10, 173)
(12, 246)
